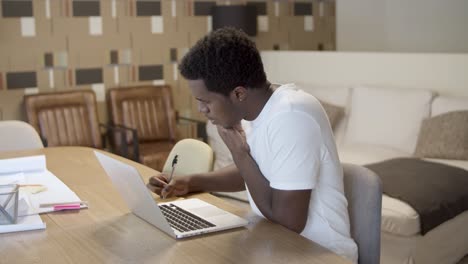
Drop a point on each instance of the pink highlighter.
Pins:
(67, 207)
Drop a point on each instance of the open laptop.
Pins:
(179, 219)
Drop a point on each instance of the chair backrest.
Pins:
(194, 156)
(18, 135)
(148, 109)
(65, 118)
(363, 190)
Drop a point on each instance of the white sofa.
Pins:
(381, 121)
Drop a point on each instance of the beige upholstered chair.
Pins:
(18, 135)
(65, 118)
(363, 190)
(148, 113)
(194, 156)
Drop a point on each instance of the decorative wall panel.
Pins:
(51, 45)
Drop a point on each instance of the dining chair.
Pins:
(66, 118)
(18, 135)
(194, 156)
(148, 114)
(363, 190)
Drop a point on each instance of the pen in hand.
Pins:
(174, 162)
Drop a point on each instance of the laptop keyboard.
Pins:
(182, 220)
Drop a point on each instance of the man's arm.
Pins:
(226, 179)
(288, 208)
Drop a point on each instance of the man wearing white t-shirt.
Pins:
(286, 158)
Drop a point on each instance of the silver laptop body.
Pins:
(198, 217)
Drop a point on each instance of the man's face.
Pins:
(218, 108)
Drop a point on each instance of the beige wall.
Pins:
(68, 39)
(445, 74)
(402, 26)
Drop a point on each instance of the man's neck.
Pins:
(258, 99)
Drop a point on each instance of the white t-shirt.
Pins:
(292, 143)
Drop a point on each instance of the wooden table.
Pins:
(108, 233)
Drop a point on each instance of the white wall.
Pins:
(447, 74)
(402, 25)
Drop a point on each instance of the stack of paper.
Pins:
(32, 171)
(24, 223)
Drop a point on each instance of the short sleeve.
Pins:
(295, 142)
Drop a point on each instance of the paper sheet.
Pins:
(32, 170)
(25, 223)
(25, 164)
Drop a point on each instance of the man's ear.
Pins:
(239, 94)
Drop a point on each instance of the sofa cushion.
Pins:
(337, 95)
(334, 113)
(387, 117)
(444, 104)
(444, 136)
(398, 217)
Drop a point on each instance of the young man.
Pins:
(287, 160)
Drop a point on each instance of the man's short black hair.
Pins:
(224, 59)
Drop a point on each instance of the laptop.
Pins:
(178, 219)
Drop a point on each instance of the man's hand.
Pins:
(234, 138)
(177, 187)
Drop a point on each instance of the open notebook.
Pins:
(178, 219)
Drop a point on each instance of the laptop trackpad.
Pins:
(209, 211)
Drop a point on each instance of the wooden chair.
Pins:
(66, 118)
(148, 114)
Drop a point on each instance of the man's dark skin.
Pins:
(288, 208)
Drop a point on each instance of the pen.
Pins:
(67, 207)
(174, 162)
(63, 204)
(30, 185)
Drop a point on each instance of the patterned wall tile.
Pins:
(150, 72)
(134, 41)
(302, 9)
(85, 8)
(173, 54)
(260, 6)
(49, 60)
(15, 8)
(88, 76)
(202, 8)
(148, 8)
(17, 80)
